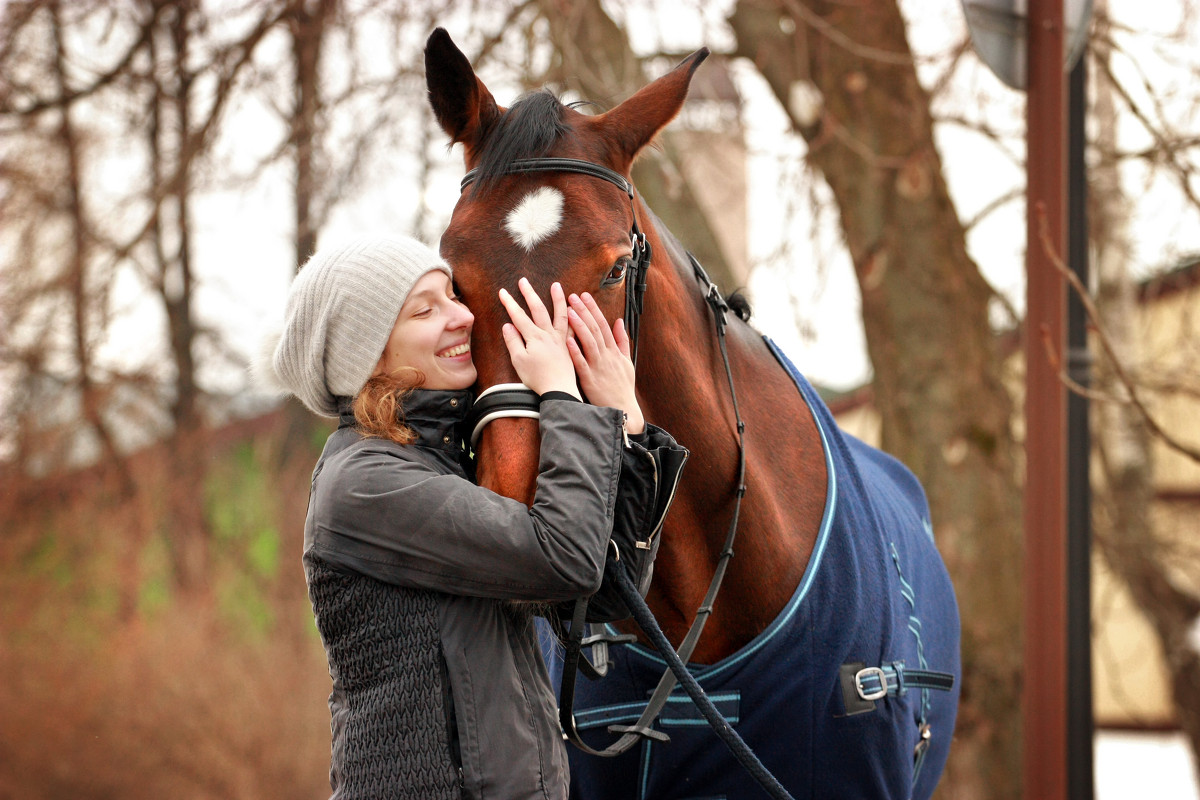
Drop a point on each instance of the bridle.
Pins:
(517, 400)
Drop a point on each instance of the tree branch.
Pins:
(1122, 375)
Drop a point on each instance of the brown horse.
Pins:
(575, 227)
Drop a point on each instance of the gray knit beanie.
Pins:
(341, 310)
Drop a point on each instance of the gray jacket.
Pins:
(424, 587)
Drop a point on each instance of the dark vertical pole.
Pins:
(1045, 682)
(1080, 770)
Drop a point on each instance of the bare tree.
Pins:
(52, 276)
(100, 61)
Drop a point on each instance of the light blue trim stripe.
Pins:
(814, 563)
(727, 704)
(914, 626)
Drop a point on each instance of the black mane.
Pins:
(528, 129)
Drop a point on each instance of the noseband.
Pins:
(515, 399)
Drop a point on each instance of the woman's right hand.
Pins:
(537, 342)
(602, 360)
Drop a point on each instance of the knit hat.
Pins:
(340, 313)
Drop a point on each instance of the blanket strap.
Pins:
(863, 685)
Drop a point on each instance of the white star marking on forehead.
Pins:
(535, 218)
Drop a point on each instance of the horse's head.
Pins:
(548, 224)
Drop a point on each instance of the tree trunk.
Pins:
(308, 27)
(83, 302)
(170, 143)
(1126, 535)
(844, 73)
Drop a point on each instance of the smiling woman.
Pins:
(423, 584)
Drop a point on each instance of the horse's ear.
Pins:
(633, 123)
(462, 104)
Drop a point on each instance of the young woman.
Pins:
(423, 584)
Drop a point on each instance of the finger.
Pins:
(601, 321)
(578, 359)
(583, 333)
(537, 309)
(588, 318)
(512, 339)
(559, 298)
(621, 338)
(517, 314)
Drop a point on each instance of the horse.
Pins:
(833, 648)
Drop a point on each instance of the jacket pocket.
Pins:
(464, 719)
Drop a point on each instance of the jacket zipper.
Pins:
(658, 525)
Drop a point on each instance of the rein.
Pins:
(517, 400)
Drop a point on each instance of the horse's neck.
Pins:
(683, 383)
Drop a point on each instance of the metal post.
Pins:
(1045, 681)
(1080, 729)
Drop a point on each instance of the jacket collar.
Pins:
(435, 415)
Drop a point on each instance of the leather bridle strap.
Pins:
(632, 734)
(522, 166)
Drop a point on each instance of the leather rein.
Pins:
(517, 400)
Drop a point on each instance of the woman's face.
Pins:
(433, 334)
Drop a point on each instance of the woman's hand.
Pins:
(602, 361)
(537, 342)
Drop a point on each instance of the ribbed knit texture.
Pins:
(340, 312)
(384, 652)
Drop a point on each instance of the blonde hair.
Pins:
(379, 409)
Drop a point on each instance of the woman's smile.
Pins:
(456, 351)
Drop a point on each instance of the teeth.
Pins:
(458, 350)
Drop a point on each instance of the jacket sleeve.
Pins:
(382, 512)
(651, 466)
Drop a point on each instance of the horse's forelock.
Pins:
(528, 129)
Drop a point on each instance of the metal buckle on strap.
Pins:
(872, 694)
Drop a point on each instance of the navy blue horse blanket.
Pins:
(875, 605)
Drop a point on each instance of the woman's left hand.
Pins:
(602, 361)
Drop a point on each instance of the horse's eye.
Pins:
(616, 274)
